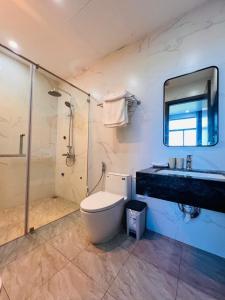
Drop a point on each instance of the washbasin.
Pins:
(193, 174)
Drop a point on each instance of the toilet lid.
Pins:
(100, 201)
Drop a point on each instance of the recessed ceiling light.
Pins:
(13, 45)
(187, 111)
(58, 1)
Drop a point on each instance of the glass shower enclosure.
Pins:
(43, 146)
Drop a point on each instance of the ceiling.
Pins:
(67, 36)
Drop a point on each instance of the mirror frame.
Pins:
(164, 106)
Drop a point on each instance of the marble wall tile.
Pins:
(160, 251)
(73, 186)
(187, 292)
(139, 280)
(69, 283)
(31, 270)
(142, 69)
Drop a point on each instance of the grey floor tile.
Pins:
(121, 240)
(51, 230)
(32, 270)
(102, 267)
(70, 283)
(138, 280)
(71, 241)
(187, 292)
(108, 297)
(17, 248)
(3, 294)
(204, 271)
(160, 251)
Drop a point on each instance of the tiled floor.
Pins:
(41, 211)
(57, 262)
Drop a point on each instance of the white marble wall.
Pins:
(73, 185)
(44, 138)
(14, 99)
(192, 42)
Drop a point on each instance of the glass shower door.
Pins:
(14, 116)
(58, 164)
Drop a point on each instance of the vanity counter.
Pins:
(199, 188)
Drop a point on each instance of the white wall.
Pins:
(194, 42)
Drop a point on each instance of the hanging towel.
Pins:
(115, 111)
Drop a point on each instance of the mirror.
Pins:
(191, 109)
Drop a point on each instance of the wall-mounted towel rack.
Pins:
(131, 99)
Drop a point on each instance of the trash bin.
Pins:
(136, 215)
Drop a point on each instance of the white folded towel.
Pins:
(115, 110)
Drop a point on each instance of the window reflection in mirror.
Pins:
(191, 109)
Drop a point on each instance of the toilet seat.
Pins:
(100, 201)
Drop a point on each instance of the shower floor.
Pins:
(41, 212)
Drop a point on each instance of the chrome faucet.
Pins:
(189, 162)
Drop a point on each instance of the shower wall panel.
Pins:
(14, 104)
(71, 182)
(44, 135)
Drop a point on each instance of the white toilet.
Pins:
(102, 212)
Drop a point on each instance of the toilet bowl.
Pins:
(102, 212)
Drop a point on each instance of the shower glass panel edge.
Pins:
(26, 223)
(58, 169)
(81, 181)
(15, 77)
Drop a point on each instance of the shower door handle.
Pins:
(20, 154)
(21, 144)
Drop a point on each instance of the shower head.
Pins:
(68, 104)
(54, 93)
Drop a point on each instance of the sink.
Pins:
(193, 174)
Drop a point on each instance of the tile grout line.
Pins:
(178, 277)
(50, 278)
(3, 287)
(51, 224)
(129, 254)
(71, 260)
(43, 283)
(24, 253)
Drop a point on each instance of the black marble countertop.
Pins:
(152, 170)
(205, 192)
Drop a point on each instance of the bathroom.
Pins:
(55, 259)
